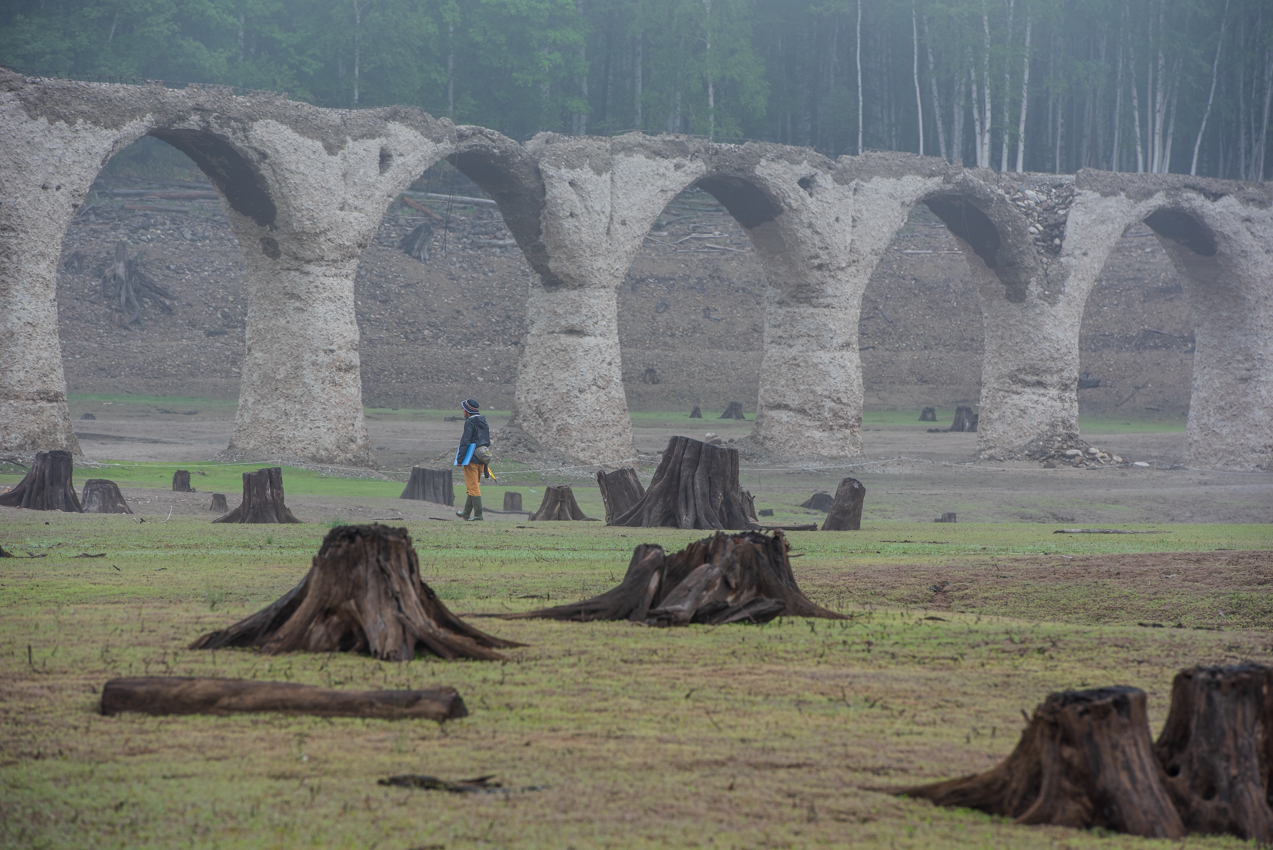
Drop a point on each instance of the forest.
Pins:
(1015, 85)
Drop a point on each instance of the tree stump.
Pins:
(559, 505)
(181, 482)
(416, 244)
(47, 485)
(928, 414)
(430, 485)
(512, 501)
(695, 486)
(262, 499)
(103, 497)
(87, 416)
(846, 508)
(164, 695)
(733, 411)
(218, 504)
(1217, 750)
(818, 502)
(948, 516)
(696, 413)
(963, 420)
(726, 578)
(1086, 760)
(620, 490)
(363, 594)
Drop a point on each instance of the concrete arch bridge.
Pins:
(305, 188)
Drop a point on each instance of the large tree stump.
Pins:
(696, 413)
(964, 420)
(103, 497)
(512, 501)
(559, 505)
(416, 243)
(620, 490)
(846, 507)
(47, 485)
(363, 594)
(430, 485)
(1217, 750)
(262, 499)
(928, 414)
(695, 486)
(218, 504)
(181, 481)
(163, 695)
(726, 578)
(1086, 760)
(733, 411)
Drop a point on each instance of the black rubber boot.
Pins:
(477, 509)
(468, 508)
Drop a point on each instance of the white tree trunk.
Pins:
(636, 82)
(1264, 125)
(932, 83)
(858, 57)
(1007, 79)
(1025, 98)
(1118, 102)
(919, 102)
(1140, 151)
(1215, 72)
(983, 149)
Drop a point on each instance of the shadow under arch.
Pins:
(966, 216)
(1182, 228)
(240, 182)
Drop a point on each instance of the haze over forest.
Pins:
(1128, 85)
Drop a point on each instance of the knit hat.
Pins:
(470, 406)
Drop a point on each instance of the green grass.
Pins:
(784, 735)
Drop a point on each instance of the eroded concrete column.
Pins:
(600, 198)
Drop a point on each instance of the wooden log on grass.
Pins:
(430, 485)
(1085, 760)
(262, 499)
(620, 490)
(363, 594)
(163, 695)
(103, 497)
(47, 485)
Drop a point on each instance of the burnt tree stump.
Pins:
(964, 420)
(818, 502)
(620, 490)
(695, 486)
(47, 485)
(363, 594)
(218, 504)
(1217, 750)
(512, 501)
(928, 414)
(726, 578)
(1086, 760)
(559, 505)
(181, 481)
(430, 485)
(103, 497)
(733, 411)
(846, 508)
(696, 413)
(262, 499)
(164, 695)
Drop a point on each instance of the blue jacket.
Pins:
(476, 433)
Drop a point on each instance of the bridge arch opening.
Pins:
(968, 222)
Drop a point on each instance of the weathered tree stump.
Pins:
(416, 245)
(512, 501)
(726, 578)
(163, 695)
(620, 490)
(696, 413)
(733, 411)
(650, 376)
(964, 420)
(695, 486)
(430, 485)
(218, 504)
(103, 497)
(928, 414)
(1217, 750)
(846, 508)
(559, 505)
(363, 594)
(181, 481)
(262, 499)
(818, 502)
(47, 485)
(87, 416)
(1086, 760)
(948, 516)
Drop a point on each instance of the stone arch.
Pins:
(238, 180)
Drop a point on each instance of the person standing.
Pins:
(476, 435)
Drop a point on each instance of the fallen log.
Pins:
(726, 578)
(47, 486)
(363, 594)
(1103, 531)
(163, 695)
(1085, 760)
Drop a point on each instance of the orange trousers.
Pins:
(473, 479)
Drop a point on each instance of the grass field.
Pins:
(609, 734)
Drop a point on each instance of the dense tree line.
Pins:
(1129, 85)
